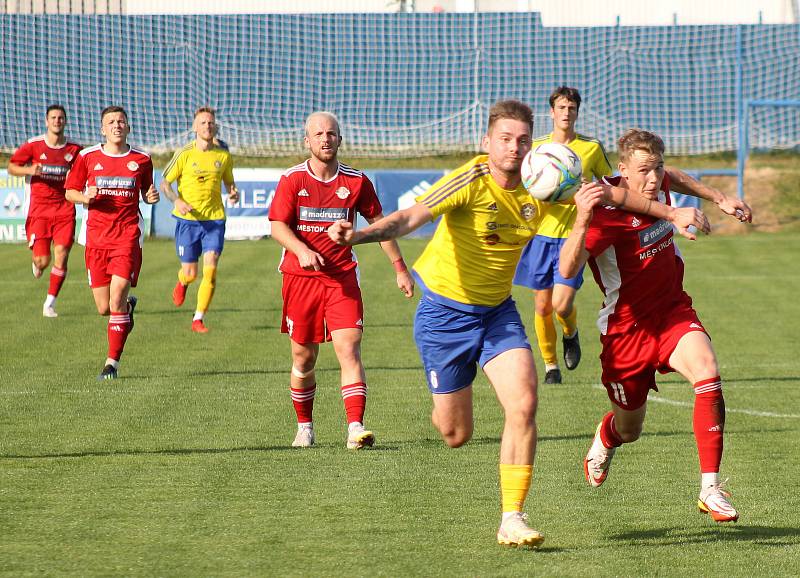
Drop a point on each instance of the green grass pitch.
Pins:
(182, 467)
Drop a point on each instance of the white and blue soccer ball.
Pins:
(551, 172)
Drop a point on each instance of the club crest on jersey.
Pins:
(342, 192)
(98, 167)
(132, 166)
(528, 211)
(217, 164)
(635, 222)
(68, 157)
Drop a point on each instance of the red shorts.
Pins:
(630, 359)
(42, 230)
(101, 264)
(313, 306)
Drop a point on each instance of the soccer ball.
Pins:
(551, 172)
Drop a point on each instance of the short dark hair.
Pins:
(512, 109)
(571, 94)
(207, 109)
(110, 109)
(55, 107)
(636, 139)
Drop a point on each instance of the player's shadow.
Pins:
(182, 311)
(189, 451)
(762, 535)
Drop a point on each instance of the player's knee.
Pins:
(522, 415)
(563, 308)
(303, 362)
(543, 309)
(629, 433)
(455, 437)
(104, 310)
(41, 261)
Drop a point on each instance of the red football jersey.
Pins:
(310, 205)
(47, 189)
(636, 264)
(113, 219)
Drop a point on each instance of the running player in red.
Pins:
(321, 295)
(45, 160)
(109, 179)
(647, 322)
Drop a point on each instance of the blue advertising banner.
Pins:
(398, 189)
(14, 202)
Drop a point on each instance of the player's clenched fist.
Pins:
(341, 232)
(152, 196)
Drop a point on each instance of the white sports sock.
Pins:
(50, 301)
(709, 479)
(198, 315)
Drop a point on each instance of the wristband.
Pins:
(399, 265)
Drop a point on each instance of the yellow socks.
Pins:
(546, 335)
(515, 481)
(183, 278)
(206, 289)
(569, 324)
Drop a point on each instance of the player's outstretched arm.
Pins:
(682, 183)
(573, 253)
(682, 218)
(396, 225)
(308, 259)
(392, 250)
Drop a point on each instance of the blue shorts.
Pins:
(538, 266)
(193, 238)
(451, 341)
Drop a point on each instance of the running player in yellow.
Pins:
(538, 266)
(199, 168)
(466, 315)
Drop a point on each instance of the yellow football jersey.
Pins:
(474, 252)
(200, 175)
(560, 217)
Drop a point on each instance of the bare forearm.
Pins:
(624, 199)
(572, 256)
(166, 188)
(76, 196)
(16, 170)
(682, 183)
(392, 250)
(284, 235)
(397, 224)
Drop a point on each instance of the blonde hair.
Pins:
(636, 139)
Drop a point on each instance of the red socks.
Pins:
(119, 326)
(709, 422)
(355, 401)
(57, 277)
(608, 432)
(303, 401)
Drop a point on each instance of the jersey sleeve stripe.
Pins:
(455, 184)
(176, 156)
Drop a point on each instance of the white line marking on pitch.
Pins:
(659, 399)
